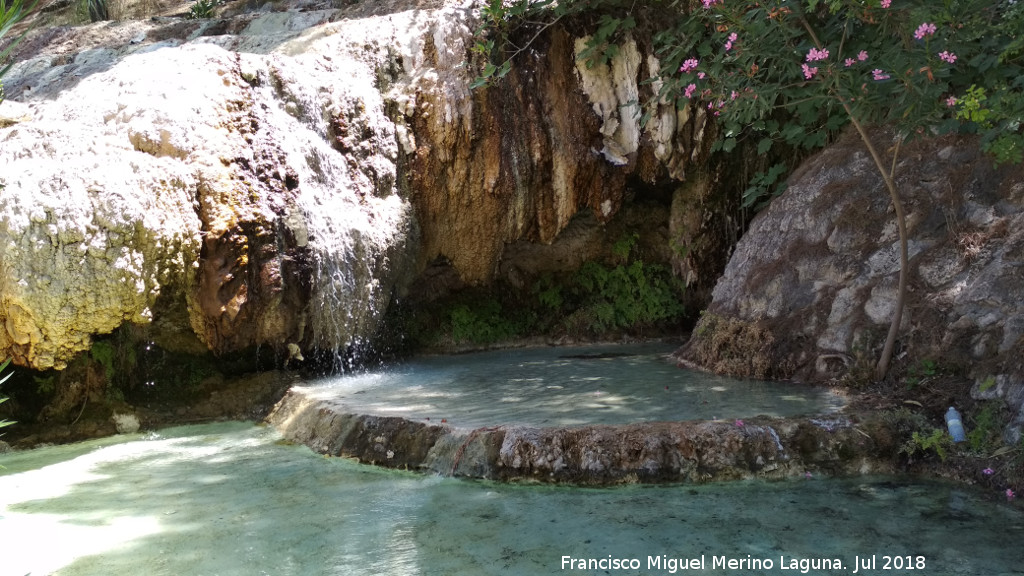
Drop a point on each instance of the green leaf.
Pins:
(505, 68)
(763, 146)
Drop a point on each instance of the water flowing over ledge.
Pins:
(693, 451)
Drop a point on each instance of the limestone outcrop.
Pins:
(809, 292)
(275, 177)
(522, 160)
(162, 170)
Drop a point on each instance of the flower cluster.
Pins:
(814, 55)
(947, 56)
(689, 65)
(732, 38)
(879, 74)
(926, 29)
(886, 3)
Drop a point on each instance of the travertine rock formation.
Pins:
(592, 455)
(276, 177)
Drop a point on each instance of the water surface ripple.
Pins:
(566, 387)
(233, 499)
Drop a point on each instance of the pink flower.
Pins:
(1009, 494)
(988, 471)
(689, 91)
(886, 3)
(951, 101)
(863, 55)
(808, 71)
(814, 55)
(807, 474)
(739, 423)
(849, 62)
(926, 29)
(700, 75)
(879, 74)
(710, 3)
(734, 95)
(690, 64)
(732, 38)
(947, 57)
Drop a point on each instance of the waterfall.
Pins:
(348, 214)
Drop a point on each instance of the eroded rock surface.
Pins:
(591, 455)
(276, 177)
(810, 289)
(249, 180)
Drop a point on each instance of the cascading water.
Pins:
(350, 216)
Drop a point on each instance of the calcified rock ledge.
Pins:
(697, 451)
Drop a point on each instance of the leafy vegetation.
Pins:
(482, 323)
(985, 431)
(625, 296)
(94, 10)
(798, 72)
(920, 372)
(202, 9)
(601, 299)
(937, 442)
(10, 15)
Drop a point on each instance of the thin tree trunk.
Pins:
(882, 368)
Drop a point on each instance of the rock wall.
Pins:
(276, 177)
(520, 161)
(810, 290)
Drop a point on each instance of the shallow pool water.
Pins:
(233, 499)
(565, 387)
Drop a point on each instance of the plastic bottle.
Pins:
(955, 425)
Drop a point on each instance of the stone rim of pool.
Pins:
(590, 454)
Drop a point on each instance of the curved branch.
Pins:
(882, 368)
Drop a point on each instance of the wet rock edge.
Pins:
(596, 455)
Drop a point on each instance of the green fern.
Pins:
(203, 9)
(938, 442)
